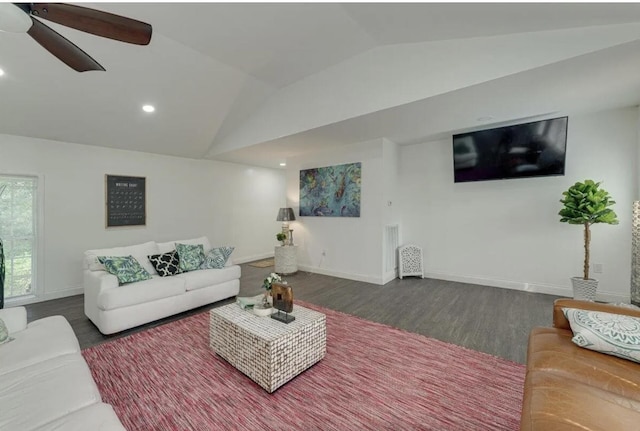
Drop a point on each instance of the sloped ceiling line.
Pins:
(394, 75)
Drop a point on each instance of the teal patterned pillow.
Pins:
(191, 256)
(4, 333)
(217, 258)
(126, 268)
(613, 334)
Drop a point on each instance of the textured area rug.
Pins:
(263, 263)
(373, 377)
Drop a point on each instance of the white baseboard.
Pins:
(246, 259)
(564, 291)
(32, 299)
(613, 297)
(389, 276)
(346, 275)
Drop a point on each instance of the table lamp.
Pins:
(285, 215)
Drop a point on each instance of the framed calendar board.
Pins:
(126, 201)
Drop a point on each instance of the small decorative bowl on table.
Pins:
(262, 310)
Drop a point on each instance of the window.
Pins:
(18, 198)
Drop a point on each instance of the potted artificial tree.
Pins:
(585, 204)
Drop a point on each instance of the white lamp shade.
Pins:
(13, 19)
(286, 214)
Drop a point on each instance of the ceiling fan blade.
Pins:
(96, 22)
(62, 48)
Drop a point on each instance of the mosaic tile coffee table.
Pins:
(267, 351)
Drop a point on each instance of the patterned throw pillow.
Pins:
(4, 333)
(191, 256)
(613, 334)
(217, 258)
(166, 264)
(126, 268)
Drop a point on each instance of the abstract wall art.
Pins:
(332, 191)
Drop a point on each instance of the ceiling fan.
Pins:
(25, 17)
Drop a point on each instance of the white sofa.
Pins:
(45, 384)
(113, 308)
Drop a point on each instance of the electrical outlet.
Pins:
(598, 268)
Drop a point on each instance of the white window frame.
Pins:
(38, 252)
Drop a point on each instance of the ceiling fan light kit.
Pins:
(13, 19)
(25, 18)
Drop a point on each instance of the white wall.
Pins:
(390, 160)
(231, 204)
(501, 233)
(352, 245)
(507, 233)
(390, 214)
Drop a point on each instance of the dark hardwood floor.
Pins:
(488, 319)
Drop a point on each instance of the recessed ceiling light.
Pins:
(148, 108)
(283, 164)
(1, 72)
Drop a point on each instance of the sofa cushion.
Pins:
(164, 247)
(191, 256)
(36, 395)
(208, 277)
(217, 258)
(552, 350)
(96, 417)
(126, 268)
(139, 251)
(613, 334)
(141, 292)
(166, 264)
(553, 402)
(43, 340)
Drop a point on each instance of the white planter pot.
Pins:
(584, 289)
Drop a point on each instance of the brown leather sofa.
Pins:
(571, 388)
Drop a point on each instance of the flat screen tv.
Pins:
(522, 150)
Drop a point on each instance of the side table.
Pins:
(410, 257)
(286, 259)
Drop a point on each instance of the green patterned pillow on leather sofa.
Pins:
(613, 334)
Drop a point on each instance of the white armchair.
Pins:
(43, 363)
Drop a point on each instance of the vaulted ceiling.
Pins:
(259, 83)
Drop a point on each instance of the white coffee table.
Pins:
(267, 351)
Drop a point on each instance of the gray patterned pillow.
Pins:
(4, 333)
(217, 258)
(613, 334)
(126, 268)
(191, 256)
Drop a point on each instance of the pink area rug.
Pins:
(374, 377)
